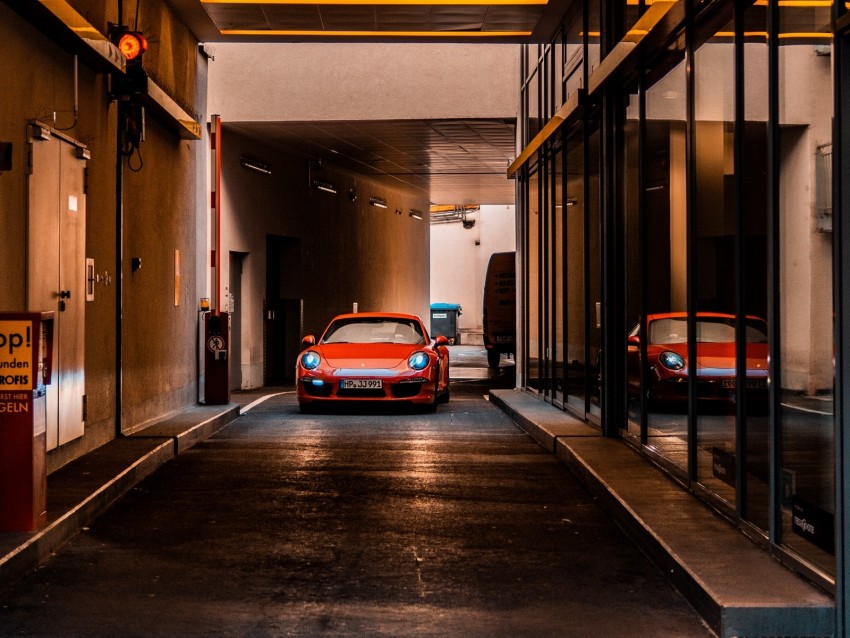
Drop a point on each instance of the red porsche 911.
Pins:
(372, 356)
(716, 378)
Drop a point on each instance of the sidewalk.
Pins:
(736, 586)
(80, 491)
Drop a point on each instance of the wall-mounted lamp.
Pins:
(324, 186)
(135, 263)
(572, 201)
(377, 202)
(254, 165)
(416, 214)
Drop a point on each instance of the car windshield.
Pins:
(709, 330)
(374, 330)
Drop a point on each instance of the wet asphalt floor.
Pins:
(358, 522)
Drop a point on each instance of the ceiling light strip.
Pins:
(378, 34)
(400, 3)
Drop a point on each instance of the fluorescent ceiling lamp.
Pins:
(324, 186)
(378, 34)
(402, 3)
(254, 165)
(379, 203)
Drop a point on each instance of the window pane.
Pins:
(805, 280)
(575, 275)
(559, 214)
(714, 262)
(665, 259)
(633, 235)
(753, 174)
(594, 273)
(533, 283)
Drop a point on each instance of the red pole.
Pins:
(215, 216)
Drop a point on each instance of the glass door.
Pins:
(576, 355)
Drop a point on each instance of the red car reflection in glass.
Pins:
(373, 357)
(667, 359)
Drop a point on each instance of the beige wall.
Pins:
(164, 211)
(295, 82)
(459, 264)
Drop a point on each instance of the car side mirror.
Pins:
(442, 340)
(634, 340)
(309, 340)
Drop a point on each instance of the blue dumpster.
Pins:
(444, 321)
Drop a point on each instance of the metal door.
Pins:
(56, 271)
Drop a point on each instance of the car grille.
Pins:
(317, 390)
(360, 394)
(405, 390)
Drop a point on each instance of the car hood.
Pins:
(367, 355)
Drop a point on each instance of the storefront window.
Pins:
(633, 239)
(806, 350)
(661, 336)
(594, 32)
(558, 218)
(575, 203)
(573, 56)
(594, 273)
(714, 262)
(753, 178)
(532, 266)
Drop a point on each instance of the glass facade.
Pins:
(679, 253)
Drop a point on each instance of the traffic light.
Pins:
(132, 45)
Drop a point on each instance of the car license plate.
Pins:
(752, 384)
(360, 384)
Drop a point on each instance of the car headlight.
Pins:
(418, 361)
(310, 360)
(671, 360)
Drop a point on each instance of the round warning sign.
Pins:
(215, 343)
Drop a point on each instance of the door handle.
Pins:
(64, 294)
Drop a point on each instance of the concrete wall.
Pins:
(302, 82)
(459, 258)
(163, 212)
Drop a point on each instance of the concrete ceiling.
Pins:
(502, 21)
(447, 161)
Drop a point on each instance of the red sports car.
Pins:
(371, 356)
(667, 358)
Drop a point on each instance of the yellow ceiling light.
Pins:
(797, 3)
(384, 2)
(378, 34)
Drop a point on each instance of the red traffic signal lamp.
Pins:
(134, 80)
(133, 45)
